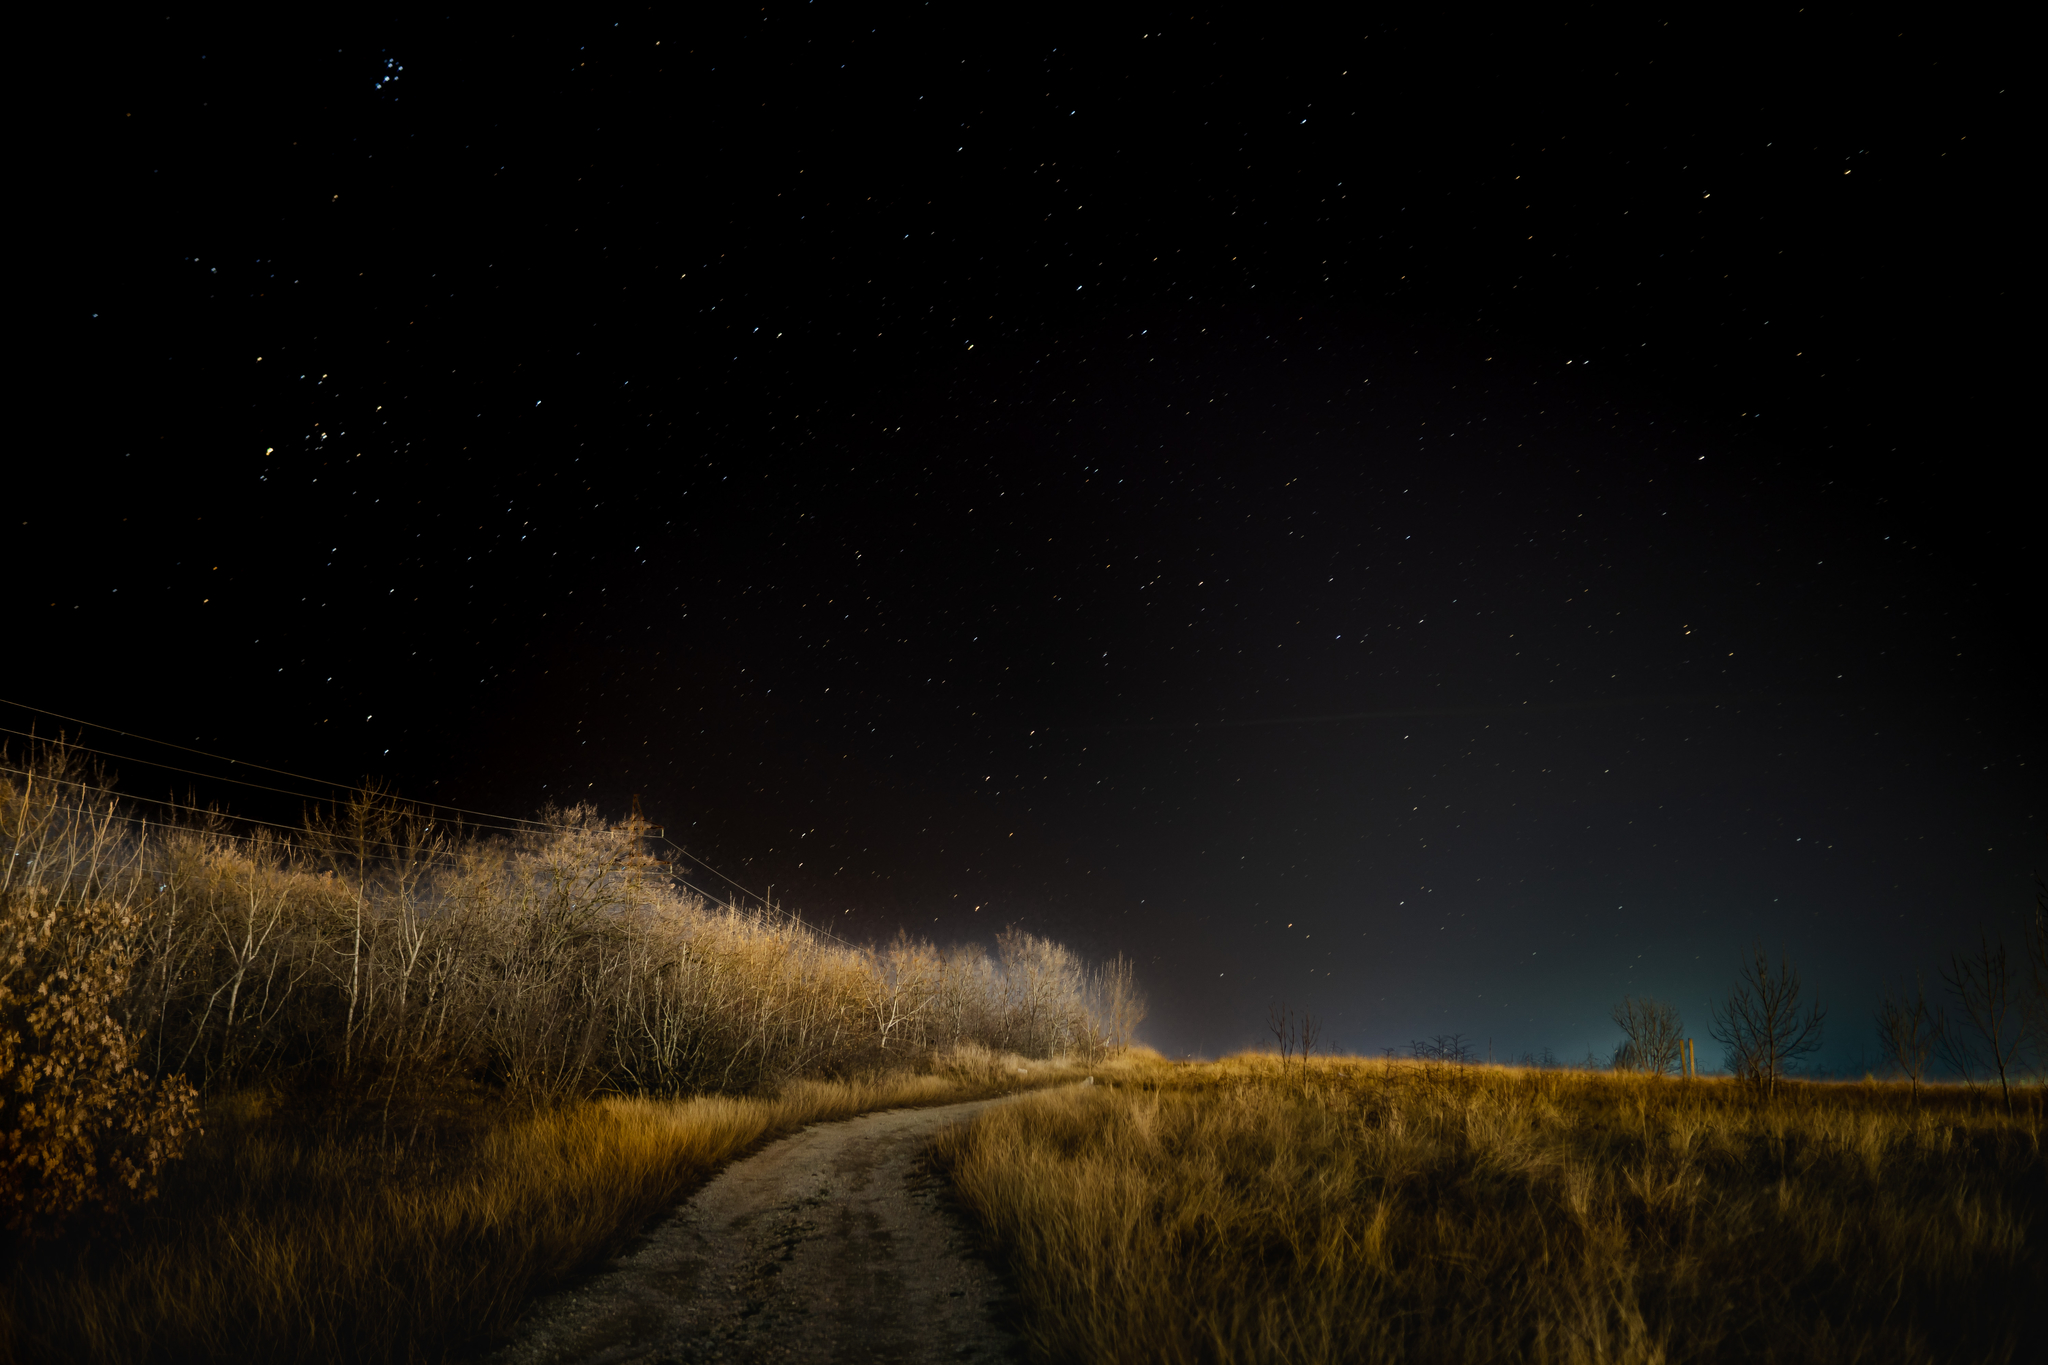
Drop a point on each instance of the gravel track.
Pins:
(831, 1245)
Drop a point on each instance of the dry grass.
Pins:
(268, 1246)
(1369, 1211)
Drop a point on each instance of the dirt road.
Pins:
(831, 1245)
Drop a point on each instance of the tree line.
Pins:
(1987, 1022)
(381, 951)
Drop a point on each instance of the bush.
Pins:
(81, 1124)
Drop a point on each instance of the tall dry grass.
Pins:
(273, 1245)
(1359, 1211)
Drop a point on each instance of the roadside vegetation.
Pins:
(1270, 1209)
(356, 1091)
(277, 1240)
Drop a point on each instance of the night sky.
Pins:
(1439, 524)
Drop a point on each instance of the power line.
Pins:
(708, 867)
(519, 824)
(817, 929)
(195, 810)
(763, 920)
(529, 827)
(240, 763)
(400, 848)
(238, 781)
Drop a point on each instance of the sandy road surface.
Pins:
(831, 1245)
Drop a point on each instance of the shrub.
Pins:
(81, 1124)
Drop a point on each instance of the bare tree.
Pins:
(905, 976)
(1763, 1025)
(1983, 985)
(1045, 988)
(1654, 1032)
(1908, 1029)
(1280, 1023)
(1445, 1047)
(254, 958)
(1295, 1033)
(2037, 968)
(1118, 1004)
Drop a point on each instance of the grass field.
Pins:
(1352, 1210)
(273, 1244)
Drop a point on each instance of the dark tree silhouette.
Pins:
(1762, 1024)
(1293, 1032)
(1445, 1047)
(1654, 1035)
(1983, 985)
(1908, 1029)
(2036, 1010)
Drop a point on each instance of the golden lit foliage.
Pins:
(81, 1125)
(383, 948)
(1365, 1211)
